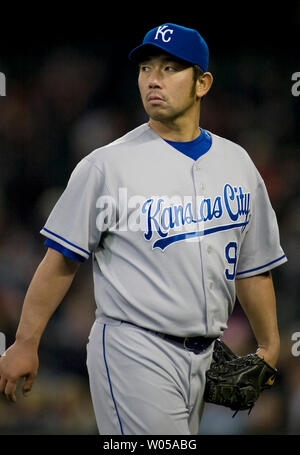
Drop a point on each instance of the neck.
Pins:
(177, 131)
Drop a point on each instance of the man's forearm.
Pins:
(257, 298)
(47, 289)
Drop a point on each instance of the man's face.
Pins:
(166, 86)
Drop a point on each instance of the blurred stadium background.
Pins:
(71, 89)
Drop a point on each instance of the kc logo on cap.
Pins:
(163, 30)
(184, 43)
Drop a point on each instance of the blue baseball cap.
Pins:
(184, 43)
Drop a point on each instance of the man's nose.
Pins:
(154, 80)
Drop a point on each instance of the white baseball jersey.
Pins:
(168, 235)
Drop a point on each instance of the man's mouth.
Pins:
(155, 99)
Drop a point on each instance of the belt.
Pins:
(194, 344)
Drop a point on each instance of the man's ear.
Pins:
(204, 84)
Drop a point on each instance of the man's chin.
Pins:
(159, 115)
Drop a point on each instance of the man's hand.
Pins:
(236, 381)
(270, 356)
(48, 287)
(19, 361)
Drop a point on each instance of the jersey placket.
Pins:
(199, 192)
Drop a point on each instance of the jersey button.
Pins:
(197, 168)
(202, 186)
(209, 249)
(211, 285)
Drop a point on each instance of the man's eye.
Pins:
(170, 68)
(145, 68)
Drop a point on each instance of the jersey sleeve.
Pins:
(63, 250)
(260, 250)
(73, 220)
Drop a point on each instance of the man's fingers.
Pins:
(28, 383)
(8, 387)
(2, 384)
(10, 390)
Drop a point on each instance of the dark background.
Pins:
(70, 89)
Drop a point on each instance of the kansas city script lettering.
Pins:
(233, 202)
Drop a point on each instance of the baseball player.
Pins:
(177, 222)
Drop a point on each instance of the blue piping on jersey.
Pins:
(63, 250)
(62, 238)
(109, 381)
(262, 266)
(163, 243)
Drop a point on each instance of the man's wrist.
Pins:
(29, 341)
(269, 354)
